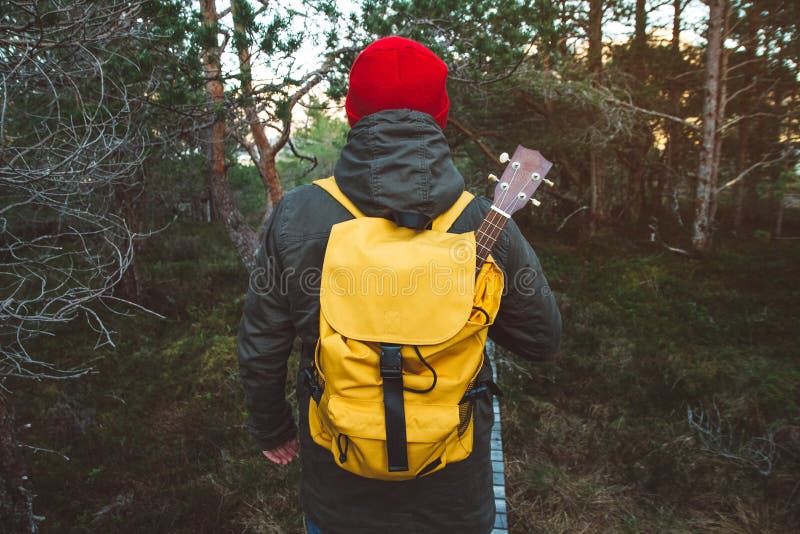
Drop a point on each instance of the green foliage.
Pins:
(206, 36)
(246, 17)
(270, 43)
(248, 190)
(477, 40)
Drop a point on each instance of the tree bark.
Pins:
(640, 26)
(242, 236)
(266, 152)
(722, 100)
(708, 167)
(595, 57)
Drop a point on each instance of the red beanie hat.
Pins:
(397, 73)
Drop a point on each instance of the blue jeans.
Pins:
(311, 528)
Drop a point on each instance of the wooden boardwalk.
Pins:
(498, 466)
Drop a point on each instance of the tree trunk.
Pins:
(722, 100)
(742, 161)
(128, 205)
(779, 207)
(595, 59)
(640, 31)
(243, 237)
(266, 152)
(750, 71)
(16, 498)
(674, 132)
(639, 45)
(708, 167)
(594, 204)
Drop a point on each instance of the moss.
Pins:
(596, 442)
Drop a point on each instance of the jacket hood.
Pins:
(398, 160)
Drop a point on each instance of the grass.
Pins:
(596, 442)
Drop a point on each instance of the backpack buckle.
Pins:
(413, 220)
(314, 389)
(391, 364)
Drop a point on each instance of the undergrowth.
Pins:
(596, 442)
(599, 441)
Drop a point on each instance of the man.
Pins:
(396, 160)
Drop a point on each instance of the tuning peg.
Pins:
(504, 157)
(550, 183)
(535, 202)
(493, 178)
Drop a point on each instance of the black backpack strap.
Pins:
(394, 410)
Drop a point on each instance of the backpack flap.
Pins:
(388, 284)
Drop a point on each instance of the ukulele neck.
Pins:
(487, 234)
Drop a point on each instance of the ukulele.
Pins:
(515, 188)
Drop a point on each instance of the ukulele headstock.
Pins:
(525, 172)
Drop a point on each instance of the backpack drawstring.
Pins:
(342, 450)
(430, 368)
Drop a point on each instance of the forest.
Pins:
(144, 143)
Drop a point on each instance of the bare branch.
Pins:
(474, 137)
(653, 113)
(741, 118)
(765, 162)
(306, 84)
(571, 215)
(69, 141)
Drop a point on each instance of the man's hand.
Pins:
(283, 454)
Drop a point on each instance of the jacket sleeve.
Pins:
(266, 335)
(528, 323)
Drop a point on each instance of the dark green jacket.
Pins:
(395, 160)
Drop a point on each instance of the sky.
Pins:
(659, 22)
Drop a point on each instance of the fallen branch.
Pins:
(678, 251)
(42, 449)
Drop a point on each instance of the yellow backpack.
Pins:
(403, 324)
